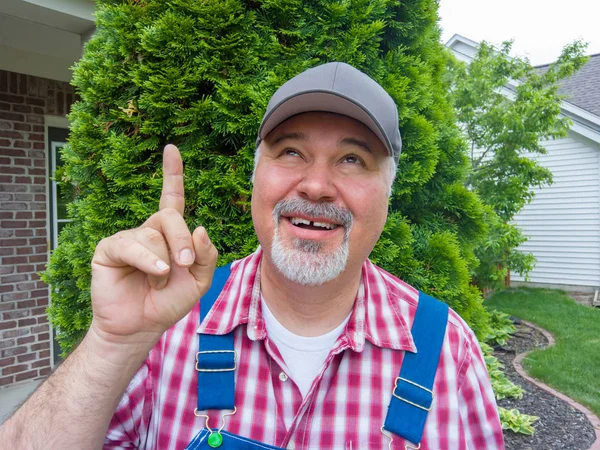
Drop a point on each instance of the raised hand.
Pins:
(146, 279)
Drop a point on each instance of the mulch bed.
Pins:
(560, 425)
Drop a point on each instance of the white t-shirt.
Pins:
(304, 356)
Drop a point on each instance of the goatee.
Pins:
(306, 262)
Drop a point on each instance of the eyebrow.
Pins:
(357, 142)
(295, 136)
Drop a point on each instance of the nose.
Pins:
(317, 183)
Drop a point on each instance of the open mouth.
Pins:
(312, 224)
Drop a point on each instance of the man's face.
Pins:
(320, 201)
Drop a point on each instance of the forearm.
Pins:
(73, 408)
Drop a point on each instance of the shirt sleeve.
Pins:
(129, 425)
(478, 409)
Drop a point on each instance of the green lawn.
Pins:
(572, 366)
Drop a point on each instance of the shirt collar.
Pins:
(381, 309)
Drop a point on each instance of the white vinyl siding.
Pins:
(563, 221)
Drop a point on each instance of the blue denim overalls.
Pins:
(411, 399)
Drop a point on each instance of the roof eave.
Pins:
(584, 122)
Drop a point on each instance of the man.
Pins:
(318, 333)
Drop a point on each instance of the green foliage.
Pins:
(507, 108)
(199, 74)
(503, 387)
(499, 253)
(501, 327)
(516, 421)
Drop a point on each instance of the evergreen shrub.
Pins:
(199, 75)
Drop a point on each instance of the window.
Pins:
(57, 206)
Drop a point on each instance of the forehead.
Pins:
(325, 125)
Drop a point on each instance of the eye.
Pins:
(289, 152)
(353, 159)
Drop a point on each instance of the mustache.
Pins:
(331, 211)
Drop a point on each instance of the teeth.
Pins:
(329, 226)
(300, 221)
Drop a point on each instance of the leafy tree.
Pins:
(506, 108)
(199, 74)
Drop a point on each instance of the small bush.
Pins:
(516, 421)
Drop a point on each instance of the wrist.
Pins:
(122, 351)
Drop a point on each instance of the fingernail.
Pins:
(161, 265)
(204, 236)
(186, 257)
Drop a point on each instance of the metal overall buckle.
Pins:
(215, 439)
(424, 408)
(389, 436)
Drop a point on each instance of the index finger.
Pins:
(172, 195)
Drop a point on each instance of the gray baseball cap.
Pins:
(338, 88)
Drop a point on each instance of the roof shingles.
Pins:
(583, 88)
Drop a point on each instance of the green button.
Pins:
(215, 440)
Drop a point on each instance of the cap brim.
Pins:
(321, 101)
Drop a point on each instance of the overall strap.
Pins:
(412, 396)
(215, 360)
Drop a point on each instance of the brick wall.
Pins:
(25, 337)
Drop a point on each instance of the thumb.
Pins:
(206, 259)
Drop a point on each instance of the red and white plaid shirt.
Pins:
(347, 403)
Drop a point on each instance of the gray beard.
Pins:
(306, 263)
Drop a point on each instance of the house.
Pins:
(562, 223)
(39, 41)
